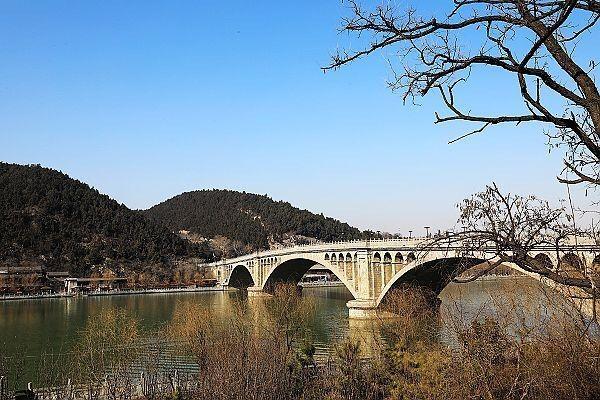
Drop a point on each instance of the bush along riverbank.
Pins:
(266, 353)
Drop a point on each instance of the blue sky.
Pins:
(145, 100)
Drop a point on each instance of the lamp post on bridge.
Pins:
(410, 234)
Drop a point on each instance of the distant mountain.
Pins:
(254, 220)
(50, 219)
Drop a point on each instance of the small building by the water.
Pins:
(84, 285)
(34, 279)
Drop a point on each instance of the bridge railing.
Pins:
(415, 243)
(390, 240)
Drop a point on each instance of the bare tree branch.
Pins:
(514, 227)
(532, 40)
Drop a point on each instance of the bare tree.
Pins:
(228, 248)
(512, 228)
(532, 40)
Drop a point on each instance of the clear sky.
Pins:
(144, 100)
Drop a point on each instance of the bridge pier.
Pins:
(361, 309)
(256, 291)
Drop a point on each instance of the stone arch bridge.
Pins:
(371, 268)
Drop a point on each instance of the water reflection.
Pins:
(35, 327)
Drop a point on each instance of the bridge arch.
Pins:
(388, 270)
(437, 274)
(387, 257)
(595, 269)
(240, 277)
(596, 263)
(398, 259)
(433, 274)
(349, 267)
(571, 261)
(292, 270)
(545, 260)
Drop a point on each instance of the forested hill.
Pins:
(249, 218)
(50, 219)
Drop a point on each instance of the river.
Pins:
(30, 328)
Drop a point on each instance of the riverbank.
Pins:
(321, 284)
(114, 293)
(159, 291)
(218, 288)
(35, 296)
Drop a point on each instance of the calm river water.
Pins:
(29, 328)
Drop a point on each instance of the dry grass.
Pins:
(268, 354)
(554, 354)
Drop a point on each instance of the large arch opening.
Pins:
(436, 275)
(432, 275)
(241, 278)
(292, 271)
(288, 272)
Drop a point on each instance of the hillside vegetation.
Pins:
(49, 219)
(254, 220)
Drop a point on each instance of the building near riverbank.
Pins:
(85, 285)
(30, 279)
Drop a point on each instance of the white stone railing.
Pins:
(414, 244)
(325, 246)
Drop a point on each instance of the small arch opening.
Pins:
(544, 260)
(387, 258)
(596, 269)
(571, 261)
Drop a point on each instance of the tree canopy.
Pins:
(249, 218)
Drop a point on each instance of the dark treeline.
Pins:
(249, 218)
(49, 219)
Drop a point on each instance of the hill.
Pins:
(50, 219)
(253, 220)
